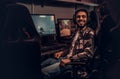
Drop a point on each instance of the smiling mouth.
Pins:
(81, 22)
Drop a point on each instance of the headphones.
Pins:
(80, 10)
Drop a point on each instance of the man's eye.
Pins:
(78, 16)
(83, 16)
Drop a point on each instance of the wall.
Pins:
(114, 9)
(60, 12)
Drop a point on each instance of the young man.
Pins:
(82, 47)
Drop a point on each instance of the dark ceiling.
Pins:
(47, 2)
(44, 2)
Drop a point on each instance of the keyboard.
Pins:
(51, 52)
(52, 47)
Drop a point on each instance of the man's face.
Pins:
(81, 18)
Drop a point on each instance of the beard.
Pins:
(81, 23)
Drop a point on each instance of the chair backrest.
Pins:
(19, 59)
(16, 18)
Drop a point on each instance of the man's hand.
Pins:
(58, 54)
(64, 62)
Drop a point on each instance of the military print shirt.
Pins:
(82, 45)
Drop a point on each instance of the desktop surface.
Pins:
(52, 48)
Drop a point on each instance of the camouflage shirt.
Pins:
(82, 45)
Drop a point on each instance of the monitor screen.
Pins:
(66, 26)
(44, 23)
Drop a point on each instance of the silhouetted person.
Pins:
(107, 23)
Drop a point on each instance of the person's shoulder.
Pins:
(91, 31)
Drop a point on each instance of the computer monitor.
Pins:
(66, 27)
(44, 24)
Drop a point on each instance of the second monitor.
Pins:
(66, 27)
